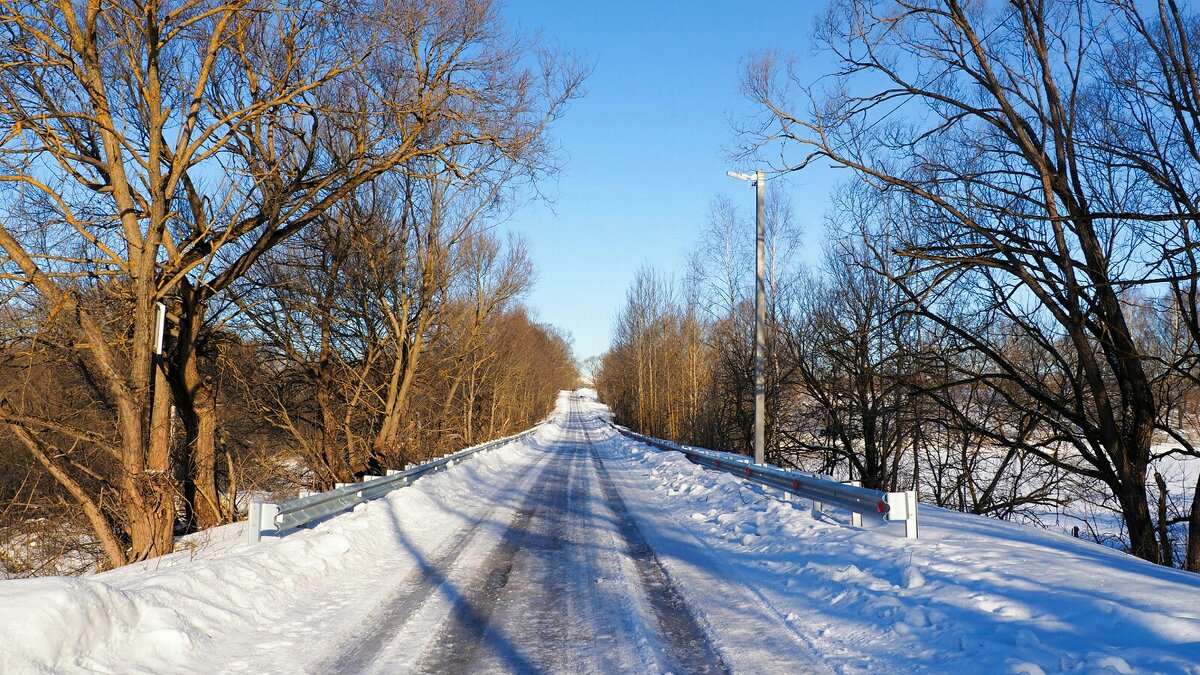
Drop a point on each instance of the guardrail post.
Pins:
(820, 506)
(903, 506)
(855, 517)
(910, 523)
(253, 516)
(260, 517)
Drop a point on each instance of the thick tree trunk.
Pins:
(197, 408)
(1131, 495)
(149, 500)
(1143, 539)
(208, 509)
(147, 488)
(146, 484)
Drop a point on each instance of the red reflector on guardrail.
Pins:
(747, 472)
(795, 485)
(882, 506)
(717, 463)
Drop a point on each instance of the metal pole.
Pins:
(760, 320)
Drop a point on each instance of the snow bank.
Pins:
(119, 620)
(188, 612)
(972, 595)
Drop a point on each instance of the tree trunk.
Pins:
(204, 452)
(1131, 495)
(1192, 563)
(149, 500)
(1168, 557)
(197, 407)
(335, 454)
(396, 406)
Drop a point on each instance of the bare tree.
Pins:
(490, 280)
(158, 152)
(1145, 118)
(972, 120)
(852, 353)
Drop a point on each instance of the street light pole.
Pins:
(760, 314)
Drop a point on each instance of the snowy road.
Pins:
(576, 550)
(557, 576)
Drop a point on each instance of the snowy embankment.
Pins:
(972, 595)
(227, 606)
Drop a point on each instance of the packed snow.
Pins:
(771, 585)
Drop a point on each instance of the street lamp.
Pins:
(760, 315)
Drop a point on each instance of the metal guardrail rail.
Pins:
(264, 517)
(862, 503)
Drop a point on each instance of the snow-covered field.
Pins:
(774, 587)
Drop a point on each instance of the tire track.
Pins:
(572, 585)
(381, 626)
(469, 629)
(688, 647)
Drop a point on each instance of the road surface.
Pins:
(568, 568)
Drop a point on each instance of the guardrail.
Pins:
(862, 503)
(264, 517)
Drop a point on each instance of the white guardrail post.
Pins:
(855, 516)
(261, 517)
(903, 506)
(311, 506)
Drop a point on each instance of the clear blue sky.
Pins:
(646, 145)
